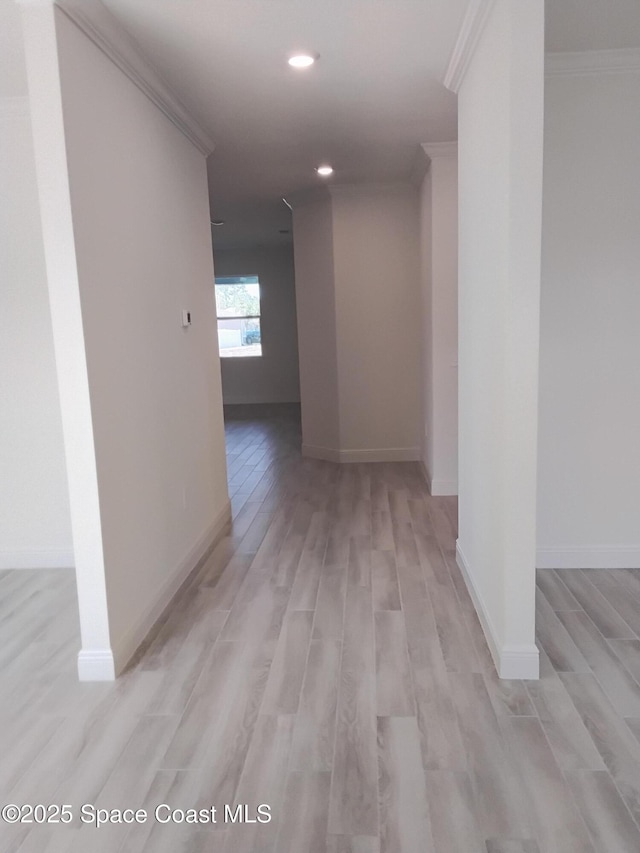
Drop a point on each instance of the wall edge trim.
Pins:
(110, 37)
(511, 660)
(467, 40)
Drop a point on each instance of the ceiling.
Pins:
(372, 97)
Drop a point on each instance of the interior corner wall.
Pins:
(500, 111)
(316, 321)
(589, 453)
(140, 211)
(377, 295)
(35, 526)
(425, 220)
(274, 377)
(439, 282)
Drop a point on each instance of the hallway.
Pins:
(326, 660)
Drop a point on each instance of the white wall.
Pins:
(273, 378)
(358, 297)
(375, 249)
(439, 280)
(35, 527)
(500, 106)
(589, 451)
(316, 319)
(142, 414)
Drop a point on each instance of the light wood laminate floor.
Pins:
(326, 660)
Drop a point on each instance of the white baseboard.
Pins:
(93, 665)
(441, 488)
(260, 400)
(383, 454)
(125, 648)
(36, 559)
(96, 665)
(589, 557)
(328, 454)
(438, 487)
(511, 661)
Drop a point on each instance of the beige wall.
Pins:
(375, 248)
(316, 318)
(273, 378)
(439, 283)
(125, 215)
(358, 295)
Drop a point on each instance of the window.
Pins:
(238, 307)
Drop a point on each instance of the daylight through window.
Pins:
(238, 307)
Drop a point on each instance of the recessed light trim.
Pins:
(324, 170)
(302, 59)
(217, 222)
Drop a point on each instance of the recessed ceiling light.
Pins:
(302, 59)
(217, 222)
(324, 170)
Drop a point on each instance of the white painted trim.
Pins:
(124, 650)
(96, 665)
(589, 557)
(31, 558)
(438, 487)
(471, 29)
(592, 62)
(440, 149)
(385, 454)
(102, 28)
(441, 488)
(511, 661)
(328, 454)
(14, 108)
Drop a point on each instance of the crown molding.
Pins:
(311, 195)
(100, 26)
(440, 149)
(592, 62)
(428, 151)
(14, 107)
(471, 29)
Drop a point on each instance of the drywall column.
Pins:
(316, 318)
(141, 394)
(35, 528)
(439, 280)
(377, 299)
(96, 661)
(498, 71)
(589, 453)
(358, 299)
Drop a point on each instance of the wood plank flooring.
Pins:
(326, 660)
